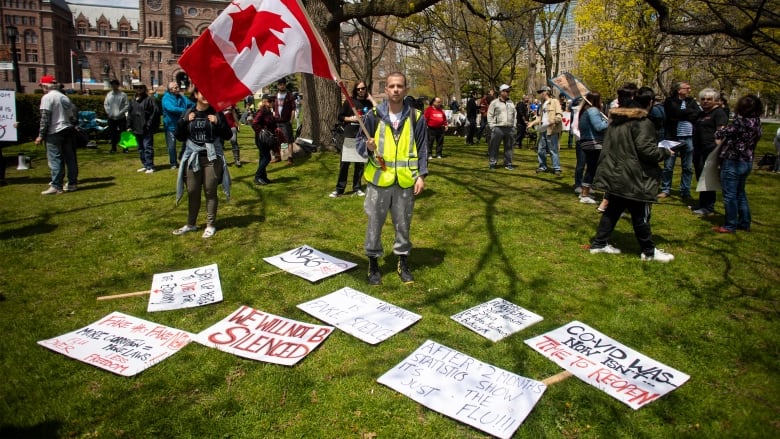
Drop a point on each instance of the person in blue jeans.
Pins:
(738, 141)
(143, 120)
(551, 120)
(681, 112)
(174, 104)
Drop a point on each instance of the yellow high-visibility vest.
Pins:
(400, 156)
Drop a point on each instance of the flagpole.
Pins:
(72, 78)
(339, 81)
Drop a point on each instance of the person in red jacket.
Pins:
(436, 119)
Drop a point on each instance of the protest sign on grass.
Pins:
(496, 319)
(486, 397)
(621, 372)
(185, 289)
(309, 263)
(360, 315)
(261, 336)
(120, 343)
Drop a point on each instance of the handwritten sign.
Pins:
(185, 289)
(600, 361)
(349, 151)
(309, 263)
(119, 343)
(8, 132)
(486, 397)
(496, 319)
(260, 336)
(360, 315)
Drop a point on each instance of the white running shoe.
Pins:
(608, 249)
(658, 255)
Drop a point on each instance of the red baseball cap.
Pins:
(47, 80)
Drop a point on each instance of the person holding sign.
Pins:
(349, 121)
(628, 170)
(397, 153)
(711, 119)
(204, 130)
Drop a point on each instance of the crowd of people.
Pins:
(619, 149)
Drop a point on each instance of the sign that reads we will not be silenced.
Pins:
(360, 315)
(621, 372)
(486, 397)
(119, 343)
(261, 336)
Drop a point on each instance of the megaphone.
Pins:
(24, 162)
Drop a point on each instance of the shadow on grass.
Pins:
(40, 227)
(47, 429)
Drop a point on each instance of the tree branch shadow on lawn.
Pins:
(46, 429)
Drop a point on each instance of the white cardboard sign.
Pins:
(8, 132)
(261, 336)
(185, 289)
(496, 319)
(486, 397)
(309, 263)
(119, 343)
(604, 363)
(360, 315)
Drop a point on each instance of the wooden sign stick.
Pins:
(120, 296)
(271, 273)
(557, 378)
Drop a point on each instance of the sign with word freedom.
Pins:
(496, 319)
(360, 315)
(490, 399)
(260, 336)
(604, 363)
(120, 343)
(185, 289)
(309, 263)
(8, 132)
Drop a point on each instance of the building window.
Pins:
(81, 28)
(98, 46)
(119, 47)
(31, 55)
(103, 30)
(178, 11)
(87, 46)
(123, 32)
(183, 39)
(32, 75)
(108, 46)
(30, 37)
(192, 12)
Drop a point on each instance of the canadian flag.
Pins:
(252, 44)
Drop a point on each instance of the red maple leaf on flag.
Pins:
(250, 24)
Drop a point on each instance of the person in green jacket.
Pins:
(628, 170)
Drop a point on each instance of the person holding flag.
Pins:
(397, 152)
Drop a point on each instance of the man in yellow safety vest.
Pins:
(397, 165)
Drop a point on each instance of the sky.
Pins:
(120, 3)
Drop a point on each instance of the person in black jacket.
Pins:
(144, 119)
(628, 170)
(349, 121)
(681, 112)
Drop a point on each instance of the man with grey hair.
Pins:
(58, 119)
(116, 106)
(711, 119)
(501, 121)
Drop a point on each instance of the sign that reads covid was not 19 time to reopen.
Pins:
(606, 364)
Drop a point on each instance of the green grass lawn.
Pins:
(478, 234)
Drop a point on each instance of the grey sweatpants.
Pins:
(400, 203)
(207, 179)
